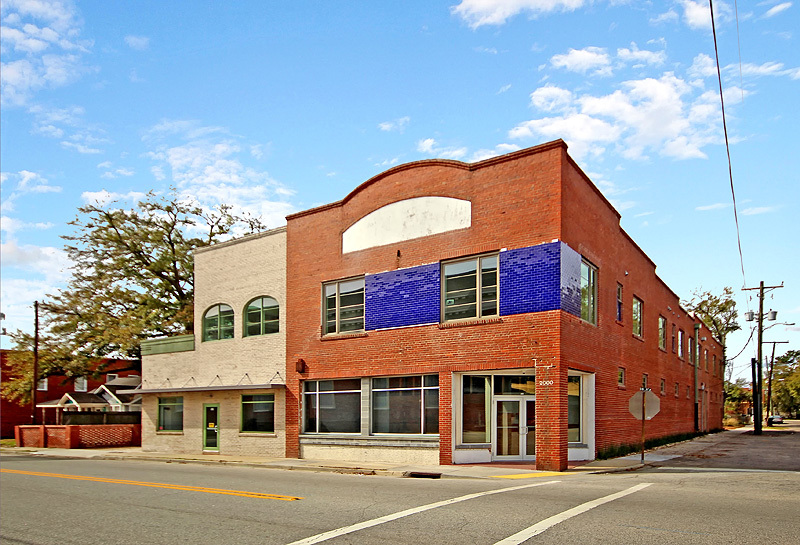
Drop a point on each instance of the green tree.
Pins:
(132, 279)
(718, 313)
(786, 384)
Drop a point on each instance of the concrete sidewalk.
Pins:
(473, 471)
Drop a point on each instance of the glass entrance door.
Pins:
(211, 427)
(514, 428)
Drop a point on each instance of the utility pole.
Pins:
(35, 360)
(769, 375)
(759, 388)
(696, 357)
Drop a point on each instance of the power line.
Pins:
(727, 143)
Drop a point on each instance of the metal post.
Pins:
(35, 360)
(644, 391)
(696, 357)
(759, 417)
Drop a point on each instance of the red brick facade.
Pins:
(523, 199)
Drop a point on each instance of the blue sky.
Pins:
(276, 107)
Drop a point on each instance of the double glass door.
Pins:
(514, 428)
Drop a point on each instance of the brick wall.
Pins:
(541, 208)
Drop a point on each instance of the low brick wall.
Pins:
(98, 436)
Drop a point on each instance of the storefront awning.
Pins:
(212, 388)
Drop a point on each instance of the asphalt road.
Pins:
(710, 497)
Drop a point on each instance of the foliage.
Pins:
(786, 384)
(132, 279)
(717, 312)
(615, 451)
(738, 398)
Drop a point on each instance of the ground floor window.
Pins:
(574, 409)
(258, 413)
(476, 409)
(170, 413)
(405, 404)
(332, 406)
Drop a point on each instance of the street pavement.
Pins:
(776, 449)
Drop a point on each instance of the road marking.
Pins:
(540, 527)
(413, 511)
(533, 475)
(726, 470)
(157, 485)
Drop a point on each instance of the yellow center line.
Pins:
(157, 485)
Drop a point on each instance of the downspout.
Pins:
(696, 363)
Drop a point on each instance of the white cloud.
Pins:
(664, 116)
(500, 149)
(398, 124)
(208, 165)
(50, 262)
(697, 16)
(551, 98)
(388, 162)
(11, 225)
(775, 10)
(40, 47)
(158, 172)
(758, 210)
(641, 56)
(80, 148)
(583, 60)
(139, 43)
(104, 197)
(715, 206)
(477, 13)
(669, 16)
(429, 146)
(503, 89)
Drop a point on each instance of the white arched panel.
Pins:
(406, 220)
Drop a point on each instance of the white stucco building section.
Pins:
(406, 220)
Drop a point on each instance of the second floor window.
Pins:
(80, 384)
(218, 323)
(469, 289)
(343, 304)
(261, 317)
(637, 316)
(662, 333)
(588, 292)
(619, 302)
(680, 343)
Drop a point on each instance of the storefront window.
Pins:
(332, 406)
(511, 385)
(405, 404)
(476, 400)
(574, 409)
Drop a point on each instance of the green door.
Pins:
(211, 427)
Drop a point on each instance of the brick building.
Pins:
(221, 389)
(51, 389)
(446, 312)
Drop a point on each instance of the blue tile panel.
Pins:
(530, 278)
(402, 298)
(533, 279)
(570, 280)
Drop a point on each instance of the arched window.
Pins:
(261, 317)
(218, 323)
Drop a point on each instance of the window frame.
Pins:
(337, 320)
(637, 317)
(42, 384)
(645, 381)
(84, 384)
(163, 404)
(681, 342)
(316, 393)
(663, 386)
(621, 376)
(423, 388)
(591, 281)
(219, 326)
(662, 333)
(479, 288)
(243, 403)
(619, 303)
(263, 321)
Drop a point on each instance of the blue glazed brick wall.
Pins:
(570, 280)
(530, 279)
(402, 298)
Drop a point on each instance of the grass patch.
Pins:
(623, 449)
(8, 443)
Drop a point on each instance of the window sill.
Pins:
(621, 387)
(470, 322)
(169, 432)
(637, 337)
(338, 336)
(268, 434)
